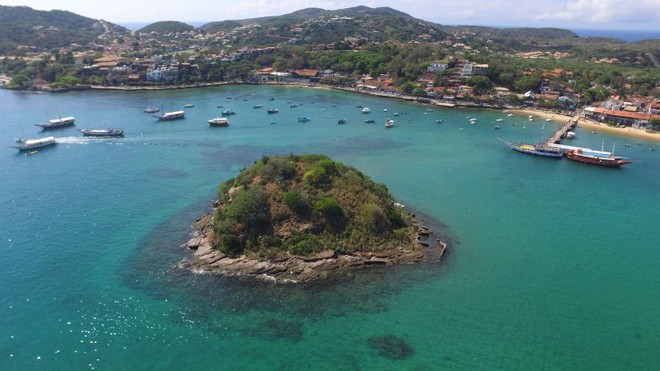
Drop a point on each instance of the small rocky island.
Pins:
(296, 218)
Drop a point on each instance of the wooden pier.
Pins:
(557, 136)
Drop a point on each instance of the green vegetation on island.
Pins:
(298, 217)
(302, 205)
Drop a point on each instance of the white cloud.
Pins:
(605, 11)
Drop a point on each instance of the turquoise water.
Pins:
(553, 264)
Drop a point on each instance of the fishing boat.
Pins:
(58, 123)
(341, 121)
(535, 149)
(389, 124)
(273, 110)
(169, 116)
(102, 132)
(218, 121)
(151, 110)
(596, 158)
(304, 119)
(28, 144)
(228, 112)
(366, 110)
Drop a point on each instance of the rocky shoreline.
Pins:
(293, 269)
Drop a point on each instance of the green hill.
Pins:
(314, 25)
(302, 205)
(44, 30)
(165, 27)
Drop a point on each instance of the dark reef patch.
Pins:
(391, 347)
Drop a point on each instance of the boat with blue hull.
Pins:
(536, 149)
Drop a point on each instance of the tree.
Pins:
(481, 84)
(20, 81)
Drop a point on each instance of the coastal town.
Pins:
(460, 67)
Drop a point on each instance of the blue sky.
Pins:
(569, 14)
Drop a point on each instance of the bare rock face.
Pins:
(288, 268)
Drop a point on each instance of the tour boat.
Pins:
(27, 144)
(58, 123)
(536, 149)
(169, 116)
(595, 158)
(218, 121)
(102, 132)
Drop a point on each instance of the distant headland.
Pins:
(297, 218)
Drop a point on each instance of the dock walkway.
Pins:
(556, 137)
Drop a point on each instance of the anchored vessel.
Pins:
(536, 149)
(169, 116)
(218, 121)
(58, 123)
(102, 132)
(596, 158)
(27, 144)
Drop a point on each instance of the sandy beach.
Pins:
(591, 125)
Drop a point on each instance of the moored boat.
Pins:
(366, 110)
(341, 121)
(228, 112)
(595, 158)
(27, 144)
(218, 121)
(58, 123)
(389, 124)
(304, 119)
(102, 132)
(369, 121)
(169, 116)
(536, 149)
(151, 110)
(273, 110)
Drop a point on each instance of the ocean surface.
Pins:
(552, 264)
(625, 35)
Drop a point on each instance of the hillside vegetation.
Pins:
(327, 26)
(164, 27)
(22, 25)
(302, 205)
